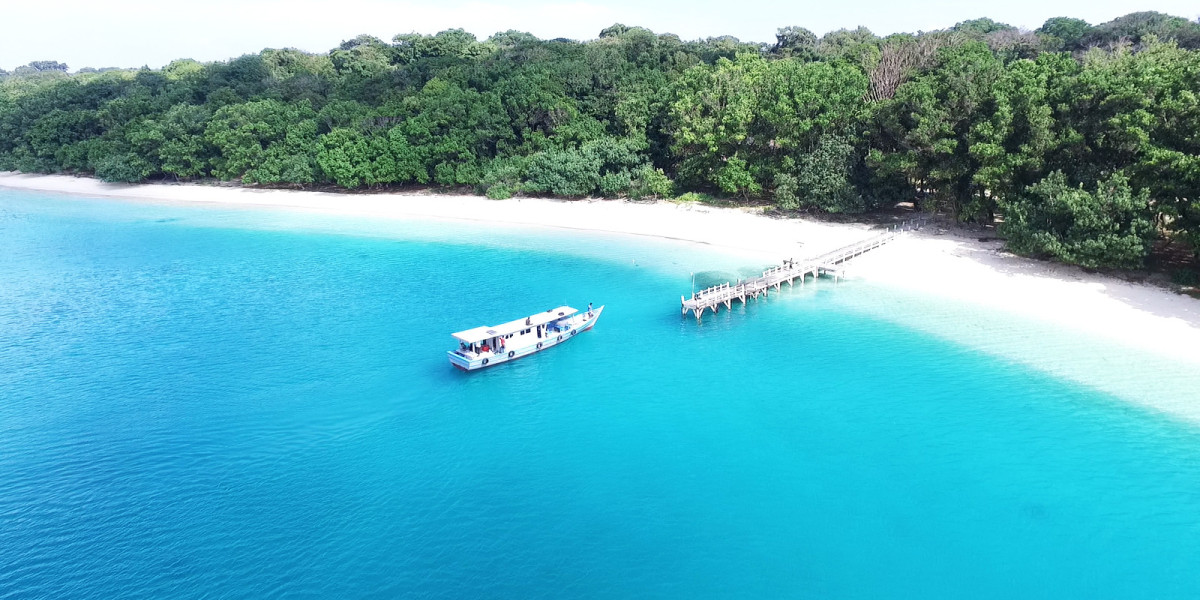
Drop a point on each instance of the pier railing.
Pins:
(790, 271)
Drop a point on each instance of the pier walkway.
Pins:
(790, 271)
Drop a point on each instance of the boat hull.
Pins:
(466, 363)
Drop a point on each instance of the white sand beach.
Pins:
(951, 266)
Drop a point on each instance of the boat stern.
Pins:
(462, 362)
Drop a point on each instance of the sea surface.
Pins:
(216, 403)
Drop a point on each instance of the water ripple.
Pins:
(198, 404)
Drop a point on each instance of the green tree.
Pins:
(737, 124)
(1138, 28)
(1019, 136)
(184, 152)
(981, 27)
(795, 42)
(47, 65)
(1108, 226)
(1067, 33)
(1138, 112)
(859, 47)
(264, 141)
(932, 123)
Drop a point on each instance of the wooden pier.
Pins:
(790, 271)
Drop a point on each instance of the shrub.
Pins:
(468, 173)
(1185, 277)
(615, 184)
(280, 166)
(503, 174)
(649, 182)
(1109, 227)
(737, 177)
(500, 191)
(123, 168)
(563, 173)
(786, 190)
(823, 177)
(444, 174)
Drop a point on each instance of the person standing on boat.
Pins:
(589, 310)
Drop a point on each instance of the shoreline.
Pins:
(732, 229)
(989, 283)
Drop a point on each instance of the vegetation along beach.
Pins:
(229, 286)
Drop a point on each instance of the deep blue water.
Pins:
(197, 403)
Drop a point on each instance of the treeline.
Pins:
(1082, 141)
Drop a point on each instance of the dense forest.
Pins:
(1080, 142)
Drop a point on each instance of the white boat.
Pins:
(491, 345)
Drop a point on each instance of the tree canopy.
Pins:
(1081, 140)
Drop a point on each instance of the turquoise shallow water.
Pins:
(203, 403)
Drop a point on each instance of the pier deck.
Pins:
(790, 271)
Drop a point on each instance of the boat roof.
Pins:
(482, 333)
